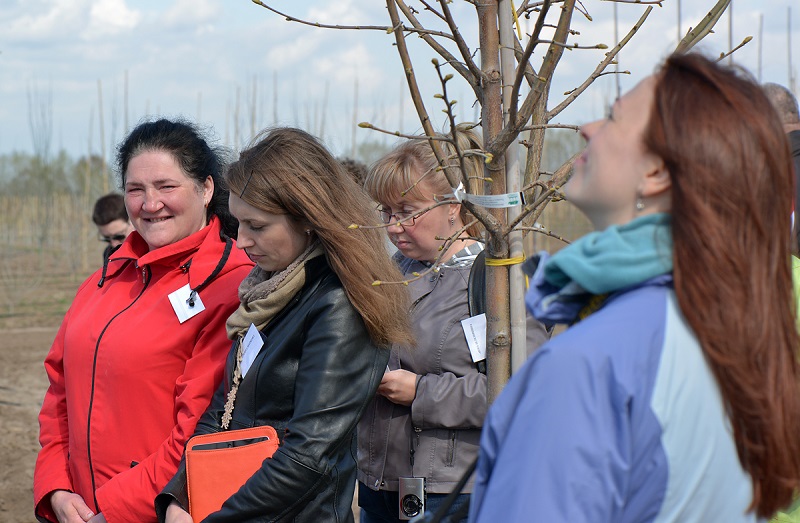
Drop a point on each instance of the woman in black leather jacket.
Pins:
(325, 331)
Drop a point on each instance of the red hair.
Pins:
(731, 171)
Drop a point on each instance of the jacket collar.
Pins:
(201, 251)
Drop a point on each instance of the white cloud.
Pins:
(195, 13)
(110, 17)
(53, 20)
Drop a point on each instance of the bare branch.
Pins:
(705, 26)
(416, 96)
(383, 28)
(437, 263)
(600, 67)
(643, 2)
(431, 9)
(722, 56)
(460, 42)
(542, 230)
(510, 131)
(523, 60)
(367, 125)
(550, 126)
(575, 45)
(411, 218)
(480, 213)
(529, 208)
(471, 74)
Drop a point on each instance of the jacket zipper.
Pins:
(145, 280)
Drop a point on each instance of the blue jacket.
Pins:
(618, 419)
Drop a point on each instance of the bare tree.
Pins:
(515, 109)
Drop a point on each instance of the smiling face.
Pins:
(611, 172)
(272, 241)
(164, 204)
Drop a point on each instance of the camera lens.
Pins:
(411, 505)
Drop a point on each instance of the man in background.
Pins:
(786, 105)
(111, 219)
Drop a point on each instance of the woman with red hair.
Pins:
(676, 397)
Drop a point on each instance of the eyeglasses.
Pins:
(402, 218)
(113, 238)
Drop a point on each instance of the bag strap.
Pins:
(476, 293)
(476, 285)
(448, 502)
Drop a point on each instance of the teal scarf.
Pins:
(615, 258)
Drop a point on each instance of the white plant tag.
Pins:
(475, 332)
(180, 303)
(252, 344)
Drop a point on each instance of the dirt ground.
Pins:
(32, 305)
(22, 387)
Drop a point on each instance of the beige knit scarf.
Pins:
(262, 296)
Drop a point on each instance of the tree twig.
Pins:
(290, 18)
(471, 74)
(600, 67)
(525, 58)
(460, 42)
(416, 96)
(722, 56)
(542, 230)
(695, 34)
(554, 53)
(367, 125)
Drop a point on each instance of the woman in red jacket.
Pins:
(142, 347)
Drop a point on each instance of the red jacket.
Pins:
(128, 381)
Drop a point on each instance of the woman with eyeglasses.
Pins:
(425, 421)
(143, 345)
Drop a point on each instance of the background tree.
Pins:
(515, 110)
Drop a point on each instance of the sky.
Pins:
(70, 69)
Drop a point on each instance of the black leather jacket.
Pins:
(311, 380)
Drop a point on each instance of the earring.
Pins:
(308, 232)
(452, 221)
(639, 204)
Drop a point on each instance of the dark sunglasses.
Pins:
(114, 238)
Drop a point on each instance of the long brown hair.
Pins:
(731, 172)
(288, 171)
(401, 170)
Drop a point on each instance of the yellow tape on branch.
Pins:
(500, 262)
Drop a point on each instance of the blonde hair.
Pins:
(288, 171)
(400, 172)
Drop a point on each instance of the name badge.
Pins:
(475, 331)
(252, 345)
(182, 306)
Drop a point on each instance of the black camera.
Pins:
(412, 497)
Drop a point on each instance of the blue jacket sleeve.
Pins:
(556, 444)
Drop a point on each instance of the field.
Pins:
(25, 336)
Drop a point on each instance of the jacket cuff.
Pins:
(174, 491)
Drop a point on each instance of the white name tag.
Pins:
(475, 331)
(180, 303)
(252, 344)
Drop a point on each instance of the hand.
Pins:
(176, 514)
(99, 518)
(70, 507)
(399, 386)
